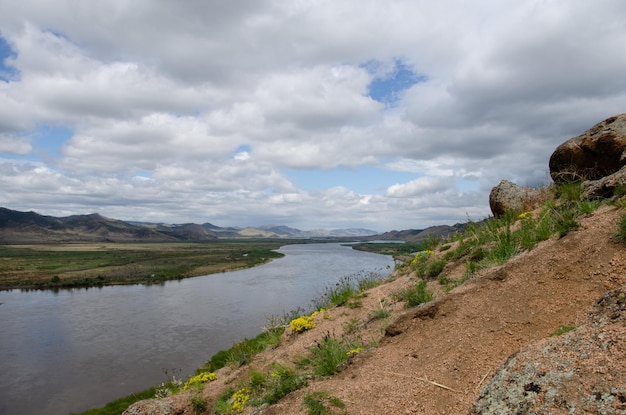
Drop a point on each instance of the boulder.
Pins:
(579, 372)
(597, 153)
(605, 187)
(507, 196)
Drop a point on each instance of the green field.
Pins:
(85, 265)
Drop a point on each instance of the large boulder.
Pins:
(597, 153)
(507, 196)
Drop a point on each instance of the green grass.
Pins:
(85, 265)
(416, 295)
(327, 356)
(322, 403)
(380, 314)
(241, 352)
(620, 234)
(199, 404)
(118, 406)
(562, 330)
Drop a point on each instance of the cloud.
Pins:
(204, 111)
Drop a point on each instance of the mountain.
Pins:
(418, 235)
(29, 227)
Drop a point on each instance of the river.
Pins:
(71, 350)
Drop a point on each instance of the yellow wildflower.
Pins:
(302, 323)
(240, 399)
(199, 379)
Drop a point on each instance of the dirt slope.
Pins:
(436, 359)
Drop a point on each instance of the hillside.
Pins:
(492, 333)
(32, 228)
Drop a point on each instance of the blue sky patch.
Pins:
(364, 180)
(7, 73)
(387, 85)
(48, 140)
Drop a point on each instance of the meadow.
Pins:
(86, 265)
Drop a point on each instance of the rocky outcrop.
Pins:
(580, 372)
(597, 153)
(154, 407)
(605, 187)
(507, 196)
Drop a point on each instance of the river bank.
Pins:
(59, 266)
(128, 336)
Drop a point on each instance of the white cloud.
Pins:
(196, 111)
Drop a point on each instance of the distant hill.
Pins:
(29, 227)
(418, 235)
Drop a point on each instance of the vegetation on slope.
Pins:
(481, 245)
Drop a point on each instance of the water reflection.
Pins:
(74, 349)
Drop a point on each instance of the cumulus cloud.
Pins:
(202, 111)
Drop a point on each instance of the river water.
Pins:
(71, 350)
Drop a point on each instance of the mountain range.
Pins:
(29, 227)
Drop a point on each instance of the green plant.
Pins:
(352, 326)
(281, 381)
(416, 295)
(257, 380)
(434, 267)
(620, 235)
(223, 404)
(569, 191)
(328, 355)
(562, 330)
(587, 206)
(368, 282)
(118, 406)
(380, 313)
(241, 353)
(199, 404)
(565, 222)
(321, 403)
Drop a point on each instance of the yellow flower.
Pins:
(203, 377)
(302, 323)
(524, 215)
(354, 351)
(240, 399)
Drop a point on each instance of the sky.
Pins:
(313, 114)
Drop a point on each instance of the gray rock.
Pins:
(154, 407)
(597, 153)
(604, 187)
(507, 196)
(579, 372)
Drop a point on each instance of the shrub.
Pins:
(282, 380)
(199, 404)
(417, 295)
(328, 356)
